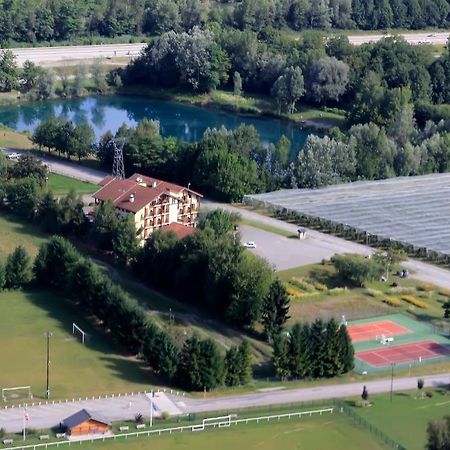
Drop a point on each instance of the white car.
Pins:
(14, 155)
(249, 244)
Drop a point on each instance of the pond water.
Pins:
(187, 123)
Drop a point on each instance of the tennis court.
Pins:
(405, 353)
(374, 330)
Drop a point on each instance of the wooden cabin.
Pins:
(85, 422)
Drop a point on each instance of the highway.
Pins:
(68, 54)
(71, 54)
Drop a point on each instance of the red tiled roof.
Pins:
(180, 230)
(119, 191)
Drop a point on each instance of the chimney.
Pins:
(139, 180)
(154, 184)
(131, 198)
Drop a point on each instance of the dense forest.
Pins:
(56, 20)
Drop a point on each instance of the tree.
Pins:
(23, 196)
(70, 217)
(324, 161)
(18, 269)
(30, 74)
(288, 89)
(365, 395)
(327, 79)
(357, 269)
(275, 310)
(280, 358)
(237, 84)
(9, 74)
(125, 244)
(45, 85)
(55, 262)
(446, 308)
(82, 140)
(29, 166)
(2, 276)
(420, 385)
(79, 81)
(438, 434)
(347, 352)
(106, 224)
(219, 220)
(99, 76)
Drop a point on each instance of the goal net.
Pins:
(16, 393)
(77, 331)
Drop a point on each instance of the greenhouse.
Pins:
(410, 210)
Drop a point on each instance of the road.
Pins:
(67, 168)
(435, 38)
(126, 407)
(65, 54)
(68, 54)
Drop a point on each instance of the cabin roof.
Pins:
(83, 416)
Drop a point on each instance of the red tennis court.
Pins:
(368, 331)
(404, 353)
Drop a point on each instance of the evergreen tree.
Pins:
(245, 362)
(280, 357)
(275, 310)
(333, 364)
(318, 349)
(2, 276)
(18, 271)
(347, 352)
(299, 350)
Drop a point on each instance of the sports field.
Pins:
(335, 432)
(61, 185)
(411, 343)
(76, 370)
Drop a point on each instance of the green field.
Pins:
(76, 370)
(14, 232)
(335, 432)
(406, 418)
(61, 185)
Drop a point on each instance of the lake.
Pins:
(186, 122)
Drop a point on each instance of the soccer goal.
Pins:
(16, 392)
(76, 330)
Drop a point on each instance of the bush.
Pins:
(321, 287)
(357, 269)
(336, 291)
(374, 292)
(425, 287)
(414, 301)
(304, 285)
(392, 301)
(429, 394)
(293, 293)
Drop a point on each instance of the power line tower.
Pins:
(118, 169)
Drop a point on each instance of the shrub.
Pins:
(445, 292)
(414, 301)
(425, 287)
(429, 394)
(293, 292)
(321, 287)
(401, 290)
(302, 284)
(336, 291)
(374, 292)
(139, 418)
(392, 301)
(356, 269)
(165, 415)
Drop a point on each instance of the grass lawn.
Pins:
(335, 432)
(61, 185)
(13, 139)
(405, 419)
(76, 369)
(268, 228)
(14, 232)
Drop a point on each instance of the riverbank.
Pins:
(316, 119)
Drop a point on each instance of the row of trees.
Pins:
(63, 136)
(198, 364)
(317, 350)
(32, 20)
(369, 152)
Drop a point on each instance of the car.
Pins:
(14, 155)
(249, 244)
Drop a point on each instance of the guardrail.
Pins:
(220, 423)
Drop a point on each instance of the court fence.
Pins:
(364, 424)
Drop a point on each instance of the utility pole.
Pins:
(392, 379)
(48, 335)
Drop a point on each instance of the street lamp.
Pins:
(392, 378)
(48, 335)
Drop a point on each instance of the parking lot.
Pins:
(283, 252)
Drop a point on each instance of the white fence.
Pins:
(94, 397)
(220, 423)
